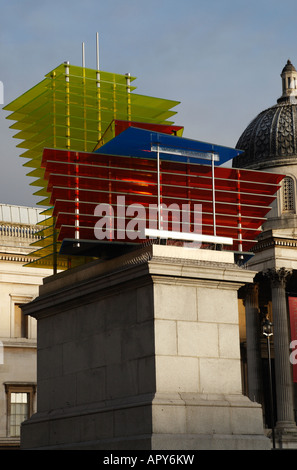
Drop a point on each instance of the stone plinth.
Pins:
(142, 352)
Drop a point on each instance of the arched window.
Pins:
(288, 195)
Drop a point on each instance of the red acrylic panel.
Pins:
(82, 180)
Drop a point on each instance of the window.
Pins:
(20, 322)
(21, 326)
(288, 195)
(19, 412)
(19, 406)
(289, 82)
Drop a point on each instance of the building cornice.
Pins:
(16, 258)
(273, 242)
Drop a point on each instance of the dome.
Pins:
(289, 67)
(271, 138)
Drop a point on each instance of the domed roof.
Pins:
(271, 138)
(289, 67)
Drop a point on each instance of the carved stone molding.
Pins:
(249, 291)
(274, 242)
(278, 277)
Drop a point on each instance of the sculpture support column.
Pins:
(253, 343)
(283, 375)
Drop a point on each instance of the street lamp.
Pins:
(267, 331)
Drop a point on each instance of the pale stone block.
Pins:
(111, 345)
(122, 380)
(145, 303)
(35, 433)
(132, 421)
(245, 421)
(62, 392)
(137, 341)
(90, 386)
(45, 334)
(146, 375)
(211, 442)
(98, 424)
(197, 339)
(229, 341)
(63, 327)
(120, 309)
(178, 374)
(175, 302)
(165, 337)
(52, 357)
(208, 419)
(217, 305)
(220, 375)
(44, 390)
(64, 431)
(191, 253)
(90, 319)
(77, 356)
(165, 417)
(91, 352)
(106, 348)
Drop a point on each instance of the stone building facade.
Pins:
(18, 285)
(270, 143)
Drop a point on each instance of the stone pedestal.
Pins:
(142, 352)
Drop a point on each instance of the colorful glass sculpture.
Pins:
(93, 143)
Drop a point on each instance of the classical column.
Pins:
(283, 374)
(253, 343)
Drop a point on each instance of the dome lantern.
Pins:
(289, 83)
(270, 140)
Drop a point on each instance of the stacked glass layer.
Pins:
(85, 186)
(72, 109)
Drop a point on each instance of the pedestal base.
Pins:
(168, 422)
(143, 353)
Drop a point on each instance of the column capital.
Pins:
(248, 290)
(278, 277)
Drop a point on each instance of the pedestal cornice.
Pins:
(188, 265)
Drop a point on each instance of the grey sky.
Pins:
(221, 58)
